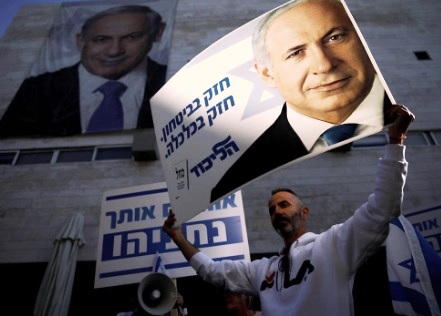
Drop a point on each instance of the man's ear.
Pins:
(265, 75)
(305, 213)
(80, 42)
(158, 35)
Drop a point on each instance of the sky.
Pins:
(9, 8)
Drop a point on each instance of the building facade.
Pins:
(39, 190)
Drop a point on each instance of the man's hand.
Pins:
(169, 227)
(402, 118)
(175, 233)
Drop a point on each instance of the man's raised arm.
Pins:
(175, 233)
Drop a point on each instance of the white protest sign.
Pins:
(131, 234)
(219, 127)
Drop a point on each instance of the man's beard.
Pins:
(289, 229)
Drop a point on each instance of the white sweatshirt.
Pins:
(322, 267)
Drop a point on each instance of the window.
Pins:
(372, 141)
(114, 153)
(64, 155)
(7, 158)
(415, 139)
(422, 55)
(77, 155)
(34, 157)
(436, 136)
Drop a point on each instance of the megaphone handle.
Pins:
(181, 311)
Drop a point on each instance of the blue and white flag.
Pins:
(158, 264)
(414, 270)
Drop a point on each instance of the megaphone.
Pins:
(157, 293)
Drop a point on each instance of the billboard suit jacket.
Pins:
(49, 104)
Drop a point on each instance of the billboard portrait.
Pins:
(291, 84)
(101, 63)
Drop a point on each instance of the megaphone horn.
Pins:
(157, 293)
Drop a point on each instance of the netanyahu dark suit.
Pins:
(278, 145)
(48, 104)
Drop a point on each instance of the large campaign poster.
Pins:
(100, 64)
(131, 236)
(270, 93)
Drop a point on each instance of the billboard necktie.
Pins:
(109, 115)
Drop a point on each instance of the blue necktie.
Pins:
(339, 133)
(109, 115)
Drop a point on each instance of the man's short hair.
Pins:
(277, 190)
(261, 54)
(154, 17)
(283, 189)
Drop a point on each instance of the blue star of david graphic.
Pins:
(410, 264)
(255, 105)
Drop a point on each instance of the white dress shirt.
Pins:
(131, 100)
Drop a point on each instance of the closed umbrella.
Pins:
(53, 298)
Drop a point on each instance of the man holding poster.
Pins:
(311, 53)
(314, 273)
